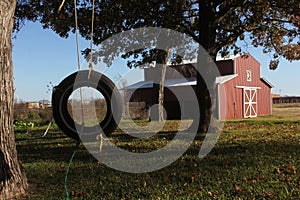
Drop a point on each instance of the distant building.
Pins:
(247, 93)
(286, 99)
(32, 105)
(38, 105)
(275, 95)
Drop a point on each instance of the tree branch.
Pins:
(233, 5)
(276, 20)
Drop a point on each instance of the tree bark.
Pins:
(13, 181)
(156, 113)
(207, 38)
(161, 95)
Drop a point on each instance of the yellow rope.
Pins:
(61, 5)
(101, 140)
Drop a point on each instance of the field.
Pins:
(253, 159)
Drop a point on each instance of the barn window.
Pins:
(248, 75)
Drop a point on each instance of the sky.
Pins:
(41, 56)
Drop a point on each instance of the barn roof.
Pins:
(229, 57)
(178, 82)
(168, 83)
(187, 70)
(266, 82)
(233, 57)
(223, 79)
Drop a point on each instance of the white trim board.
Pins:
(247, 87)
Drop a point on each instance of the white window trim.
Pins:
(248, 75)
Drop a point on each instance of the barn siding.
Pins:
(242, 64)
(233, 100)
(265, 100)
(230, 101)
(141, 95)
(174, 72)
(231, 104)
(226, 67)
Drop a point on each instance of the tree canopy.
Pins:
(215, 24)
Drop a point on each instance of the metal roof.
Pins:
(223, 79)
(267, 82)
(168, 83)
(178, 82)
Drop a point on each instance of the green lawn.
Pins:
(253, 159)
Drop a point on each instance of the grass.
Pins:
(253, 159)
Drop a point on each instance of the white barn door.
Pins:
(250, 102)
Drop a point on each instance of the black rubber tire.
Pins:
(98, 81)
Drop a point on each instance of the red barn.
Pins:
(247, 94)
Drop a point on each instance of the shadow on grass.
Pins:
(231, 170)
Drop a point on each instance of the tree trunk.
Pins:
(159, 74)
(205, 100)
(13, 181)
(162, 87)
(207, 37)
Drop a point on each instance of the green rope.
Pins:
(68, 170)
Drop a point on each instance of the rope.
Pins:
(68, 170)
(91, 65)
(61, 5)
(48, 127)
(101, 138)
(76, 35)
(78, 57)
(81, 95)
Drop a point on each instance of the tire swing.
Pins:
(102, 84)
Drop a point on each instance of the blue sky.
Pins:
(40, 56)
